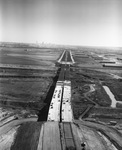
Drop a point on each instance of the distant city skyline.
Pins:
(66, 22)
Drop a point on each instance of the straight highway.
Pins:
(60, 106)
(62, 130)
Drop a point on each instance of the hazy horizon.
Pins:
(79, 22)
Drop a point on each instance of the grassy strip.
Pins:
(27, 136)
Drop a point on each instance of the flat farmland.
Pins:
(26, 75)
(32, 57)
(12, 89)
(86, 61)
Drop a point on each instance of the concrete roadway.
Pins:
(66, 58)
(60, 106)
(67, 115)
(67, 135)
(54, 109)
(66, 110)
(70, 134)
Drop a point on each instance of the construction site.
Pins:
(64, 100)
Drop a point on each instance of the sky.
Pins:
(70, 22)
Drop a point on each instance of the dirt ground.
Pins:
(86, 72)
(26, 74)
(30, 132)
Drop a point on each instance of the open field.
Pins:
(33, 57)
(87, 72)
(28, 76)
(24, 88)
(13, 91)
(29, 131)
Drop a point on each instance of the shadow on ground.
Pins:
(42, 116)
